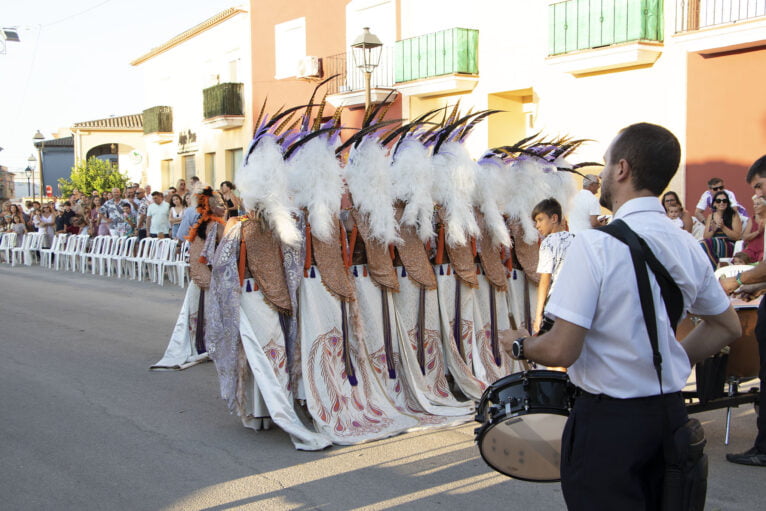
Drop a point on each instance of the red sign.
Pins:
(49, 191)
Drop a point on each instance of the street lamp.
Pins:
(28, 173)
(32, 161)
(39, 137)
(366, 50)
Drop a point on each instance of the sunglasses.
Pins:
(717, 188)
(718, 201)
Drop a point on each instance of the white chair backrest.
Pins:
(732, 270)
(117, 246)
(71, 245)
(82, 243)
(8, 240)
(151, 251)
(98, 241)
(36, 241)
(127, 247)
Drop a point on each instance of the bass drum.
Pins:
(523, 417)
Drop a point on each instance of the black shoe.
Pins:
(750, 457)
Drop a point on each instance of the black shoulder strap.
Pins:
(642, 256)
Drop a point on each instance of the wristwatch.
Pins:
(517, 348)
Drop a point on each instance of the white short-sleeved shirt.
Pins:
(597, 289)
(584, 205)
(159, 215)
(553, 249)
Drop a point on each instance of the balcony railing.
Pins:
(222, 99)
(586, 24)
(350, 79)
(696, 14)
(158, 119)
(451, 51)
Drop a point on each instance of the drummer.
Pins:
(599, 333)
(756, 177)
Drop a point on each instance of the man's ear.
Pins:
(623, 171)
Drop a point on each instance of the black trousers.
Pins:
(612, 452)
(760, 336)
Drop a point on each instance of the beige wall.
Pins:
(134, 165)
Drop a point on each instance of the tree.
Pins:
(93, 174)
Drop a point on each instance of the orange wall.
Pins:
(325, 35)
(726, 120)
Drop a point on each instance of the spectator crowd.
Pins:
(133, 211)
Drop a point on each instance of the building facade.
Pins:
(198, 94)
(580, 68)
(119, 140)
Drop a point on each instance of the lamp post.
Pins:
(366, 50)
(28, 173)
(32, 161)
(39, 137)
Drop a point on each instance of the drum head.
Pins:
(526, 447)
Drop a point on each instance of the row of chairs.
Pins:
(109, 255)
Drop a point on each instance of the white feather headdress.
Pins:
(368, 175)
(491, 190)
(262, 181)
(412, 175)
(453, 188)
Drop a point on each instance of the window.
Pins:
(166, 174)
(190, 167)
(209, 172)
(233, 162)
(289, 47)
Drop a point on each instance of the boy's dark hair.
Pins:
(549, 207)
(742, 255)
(758, 169)
(653, 153)
(154, 194)
(713, 181)
(67, 203)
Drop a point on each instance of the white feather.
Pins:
(263, 187)
(453, 188)
(316, 184)
(490, 191)
(368, 174)
(412, 175)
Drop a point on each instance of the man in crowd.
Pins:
(157, 218)
(612, 447)
(750, 281)
(585, 208)
(714, 185)
(112, 210)
(64, 218)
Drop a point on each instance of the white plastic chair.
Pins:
(168, 264)
(145, 250)
(74, 259)
(7, 243)
(114, 262)
(739, 245)
(47, 255)
(32, 242)
(178, 266)
(166, 249)
(110, 248)
(66, 253)
(93, 251)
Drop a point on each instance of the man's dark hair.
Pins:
(758, 169)
(154, 194)
(67, 203)
(548, 207)
(714, 181)
(653, 153)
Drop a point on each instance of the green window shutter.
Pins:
(583, 24)
(620, 21)
(437, 46)
(596, 24)
(570, 30)
(472, 38)
(399, 61)
(653, 29)
(560, 15)
(635, 23)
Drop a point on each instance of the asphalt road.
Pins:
(84, 425)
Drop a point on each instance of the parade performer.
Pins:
(250, 297)
(369, 180)
(187, 343)
(342, 395)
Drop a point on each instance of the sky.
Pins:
(73, 62)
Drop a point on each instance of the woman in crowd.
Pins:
(232, 201)
(19, 227)
(46, 224)
(176, 213)
(6, 212)
(99, 223)
(671, 199)
(722, 228)
(753, 237)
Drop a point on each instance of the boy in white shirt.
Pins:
(547, 218)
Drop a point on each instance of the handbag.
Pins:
(686, 464)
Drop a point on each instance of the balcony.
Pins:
(623, 33)
(158, 124)
(694, 15)
(347, 89)
(222, 106)
(437, 63)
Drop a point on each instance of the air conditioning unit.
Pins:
(309, 67)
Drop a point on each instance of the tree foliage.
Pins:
(93, 174)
